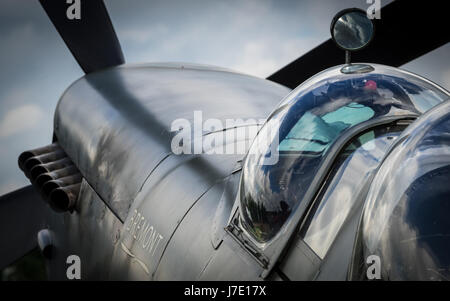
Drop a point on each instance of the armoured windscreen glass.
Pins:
(277, 173)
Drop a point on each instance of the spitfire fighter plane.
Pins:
(354, 185)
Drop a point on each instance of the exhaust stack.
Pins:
(51, 185)
(64, 198)
(48, 167)
(53, 174)
(42, 159)
(36, 152)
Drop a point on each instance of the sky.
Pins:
(256, 37)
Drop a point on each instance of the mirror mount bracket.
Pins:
(348, 57)
(356, 68)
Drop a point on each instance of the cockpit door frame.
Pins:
(269, 253)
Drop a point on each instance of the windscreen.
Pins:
(309, 123)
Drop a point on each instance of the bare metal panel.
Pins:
(90, 233)
(126, 133)
(190, 249)
(231, 263)
(161, 206)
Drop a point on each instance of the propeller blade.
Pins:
(406, 31)
(22, 215)
(91, 39)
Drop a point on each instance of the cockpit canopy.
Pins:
(405, 221)
(294, 142)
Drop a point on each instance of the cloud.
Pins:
(9, 186)
(20, 119)
(261, 59)
(446, 79)
(252, 36)
(142, 35)
(254, 60)
(16, 44)
(430, 66)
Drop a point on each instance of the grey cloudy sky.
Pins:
(256, 37)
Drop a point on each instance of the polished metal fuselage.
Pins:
(144, 212)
